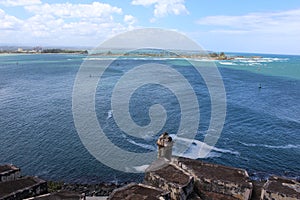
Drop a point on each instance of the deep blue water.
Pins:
(37, 132)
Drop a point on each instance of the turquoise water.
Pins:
(274, 65)
(37, 132)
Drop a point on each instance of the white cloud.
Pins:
(144, 2)
(129, 19)
(19, 2)
(68, 10)
(163, 8)
(273, 22)
(65, 24)
(8, 22)
(58, 20)
(43, 26)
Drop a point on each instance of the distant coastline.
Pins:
(43, 51)
(111, 53)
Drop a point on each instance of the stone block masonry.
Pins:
(22, 188)
(216, 181)
(9, 173)
(173, 179)
(187, 179)
(135, 191)
(59, 196)
(280, 188)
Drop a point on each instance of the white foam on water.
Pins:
(288, 146)
(109, 114)
(259, 61)
(194, 150)
(145, 146)
(141, 168)
(273, 59)
(227, 63)
(99, 58)
(197, 149)
(214, 155)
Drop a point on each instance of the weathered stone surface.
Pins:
(214, 181)
(96, 198)
(135, 191)
(22, 188)
(9, 173)
(194, 196)
(278, 188)
(173, 179)
(257, 188)
(59, 196)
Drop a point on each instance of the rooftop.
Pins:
(5, 168)
(173, 175)
(58, 196)
(137, 192)
(215, 172)
(279, 185)
(9, 187)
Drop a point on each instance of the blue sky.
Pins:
(221, 25)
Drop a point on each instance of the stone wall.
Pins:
(216, 181)
(139, 191)
(191, 179)
(280, 188)
(9, 173)
(171, 178)
(22, 188)
(59, 195)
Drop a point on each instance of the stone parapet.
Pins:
(60, 195)
(281, 189)
(184, 178)
(214, 181)
(139, 191)
(22, 188)
(171, 178)
(9, 173)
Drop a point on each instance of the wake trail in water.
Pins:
(288, 146)
(194, 148)
(197, 149)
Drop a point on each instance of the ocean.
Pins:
(261, 131)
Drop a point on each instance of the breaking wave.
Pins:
(227, 63)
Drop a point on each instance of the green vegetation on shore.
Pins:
(40, 50)
(64, 51)
(152, 53)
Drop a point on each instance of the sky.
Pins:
(254, 26)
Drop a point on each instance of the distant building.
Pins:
(38, 49)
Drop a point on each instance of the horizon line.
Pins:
(83, 47)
